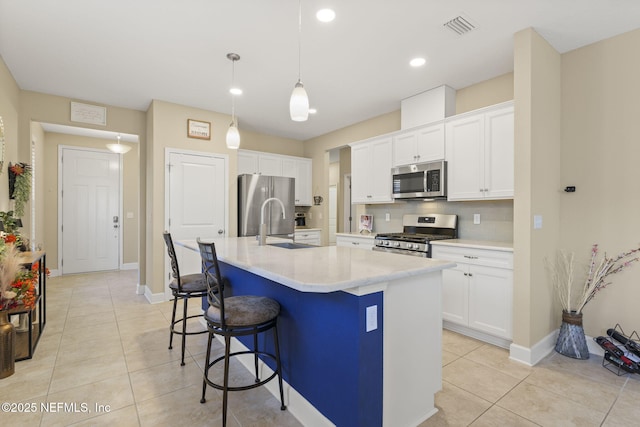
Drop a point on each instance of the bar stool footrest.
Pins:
(247, 387)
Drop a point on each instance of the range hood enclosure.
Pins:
(427, 107)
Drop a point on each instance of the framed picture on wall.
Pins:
(198, 129)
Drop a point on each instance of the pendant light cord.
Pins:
(299, 38)
(233, 98)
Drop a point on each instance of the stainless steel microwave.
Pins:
(420, 181)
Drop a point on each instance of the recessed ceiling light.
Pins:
(417, 62)
(235, 91)
(326, 15)
(312, 111)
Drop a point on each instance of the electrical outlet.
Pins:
(387, 217)
(476, 218)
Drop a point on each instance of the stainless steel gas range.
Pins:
(418, 231)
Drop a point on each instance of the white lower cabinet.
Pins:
(309, 237)
(355, 241)
(478, 293)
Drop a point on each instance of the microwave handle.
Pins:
(424, 184)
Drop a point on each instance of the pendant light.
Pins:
(119, 148)
(233, 136)
(299, 103)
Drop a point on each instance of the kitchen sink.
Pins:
(291, 245)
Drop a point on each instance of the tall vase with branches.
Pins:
(573, 299)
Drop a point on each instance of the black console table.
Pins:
(26, 341)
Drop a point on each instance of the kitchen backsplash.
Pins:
(496, 217)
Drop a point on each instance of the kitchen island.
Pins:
(360, 331)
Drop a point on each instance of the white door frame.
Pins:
(167, 154)
(61, 149)
(347, 211)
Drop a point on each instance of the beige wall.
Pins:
(38, 107)
(166, 124)
(600, 156)
(537, 184)
(37, 232)
(9, 109)
(130, 197)
(483, 94)
(318, 150)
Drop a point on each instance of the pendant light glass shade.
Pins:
(233, 137)
(299, 103)
(119, 148)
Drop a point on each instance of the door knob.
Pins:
(221, 231)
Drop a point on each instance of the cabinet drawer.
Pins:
(488, 258)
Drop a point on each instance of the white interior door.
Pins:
(333, 213)
(90, 210)
(196, 204)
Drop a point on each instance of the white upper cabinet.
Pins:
(371, 163)
(247, 162)
(479, 153)
(270, 164)
(299, 168)
(424, 144)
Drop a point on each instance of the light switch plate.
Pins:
(537, 222)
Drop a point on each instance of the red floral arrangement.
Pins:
(10, 238)
(20, 289)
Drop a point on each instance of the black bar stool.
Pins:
(233, 317)
(184, 288)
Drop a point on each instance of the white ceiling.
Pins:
(126, 53)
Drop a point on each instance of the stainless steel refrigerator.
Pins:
(253, 190)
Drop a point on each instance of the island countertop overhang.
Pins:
(319, 269)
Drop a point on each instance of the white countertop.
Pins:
(297, 229)
(356, 234)
(318, 269)
(476, 244)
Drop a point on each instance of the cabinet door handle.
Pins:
(486, 189)
(355, 243)
(471, 257)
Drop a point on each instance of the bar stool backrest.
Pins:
(215, 282)
(175, 271)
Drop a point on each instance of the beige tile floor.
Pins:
(104, 345)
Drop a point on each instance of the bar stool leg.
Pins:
(279, 367)
(225, 391)
(206, 369)
(185, 301)
(173, 321)
(255, 355)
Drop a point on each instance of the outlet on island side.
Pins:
(372, 318)
(387, 217)
(476, 218)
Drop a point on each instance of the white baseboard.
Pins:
(491, 339)
(129, 266)
(296, 404)
(151, 297)
(540, 350)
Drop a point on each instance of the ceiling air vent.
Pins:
(460, 25)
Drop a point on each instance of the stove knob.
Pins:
(386, 243)
(396, 244)
(409, 245)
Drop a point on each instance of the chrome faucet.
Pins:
(262, 237)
